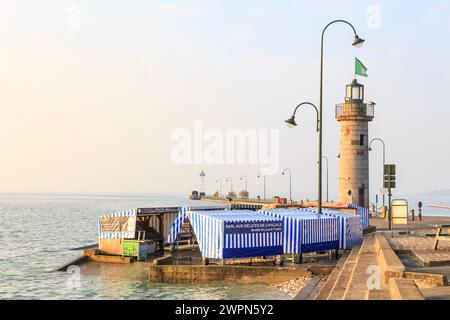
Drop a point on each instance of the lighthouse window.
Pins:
(361, 140)
(356, 94)
(349, 92)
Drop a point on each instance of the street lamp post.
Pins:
(231, 183)
(358, 42)
(290, 183)
(244, 176)
(384, 158)
(327, 175)
(264, 182)
(290, 123)
(220, 186)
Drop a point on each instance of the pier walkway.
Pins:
(351, 278)
(373, 271)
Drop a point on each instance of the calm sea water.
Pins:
(37, 233)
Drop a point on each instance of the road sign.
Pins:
(383, 190)
(389, 182)
(389, 176)
(389, 169)
(386, 184)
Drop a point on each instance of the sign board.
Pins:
(383, 191)
(389, 176)
(118, 224)
(386, 184)
(399, 211)
(389, 169)
(253, 227)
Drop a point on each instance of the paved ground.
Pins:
(422, 249)
(420, 240)
(439, 293)
(420, 245)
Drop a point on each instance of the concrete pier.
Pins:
(239, 274)
(393, 266)
(366, 274)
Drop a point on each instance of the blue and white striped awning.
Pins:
(223, 234)
(179, 220)
(306, 232)
(350, 226)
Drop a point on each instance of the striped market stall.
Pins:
(223, 234)
(363, 212)
(306, 232)
(178, 221)
(350, 227)
(152, 224)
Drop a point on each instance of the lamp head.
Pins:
(290, 123)
(358, 42)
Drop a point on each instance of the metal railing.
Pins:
(351, 109)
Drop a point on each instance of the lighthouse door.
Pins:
(361, 197)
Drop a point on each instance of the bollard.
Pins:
(411, 212)
(384, 212)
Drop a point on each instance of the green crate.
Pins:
(130, 248)
(135, 248)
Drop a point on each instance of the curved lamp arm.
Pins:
(291, 121)
(376, 139)
(384, 147)
(357, 42)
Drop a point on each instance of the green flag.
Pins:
(360, 69)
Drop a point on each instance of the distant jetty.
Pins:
(439, 206)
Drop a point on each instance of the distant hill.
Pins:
(441, 192)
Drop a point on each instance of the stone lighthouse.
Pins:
(354, 116)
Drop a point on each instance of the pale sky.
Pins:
(91, 91)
